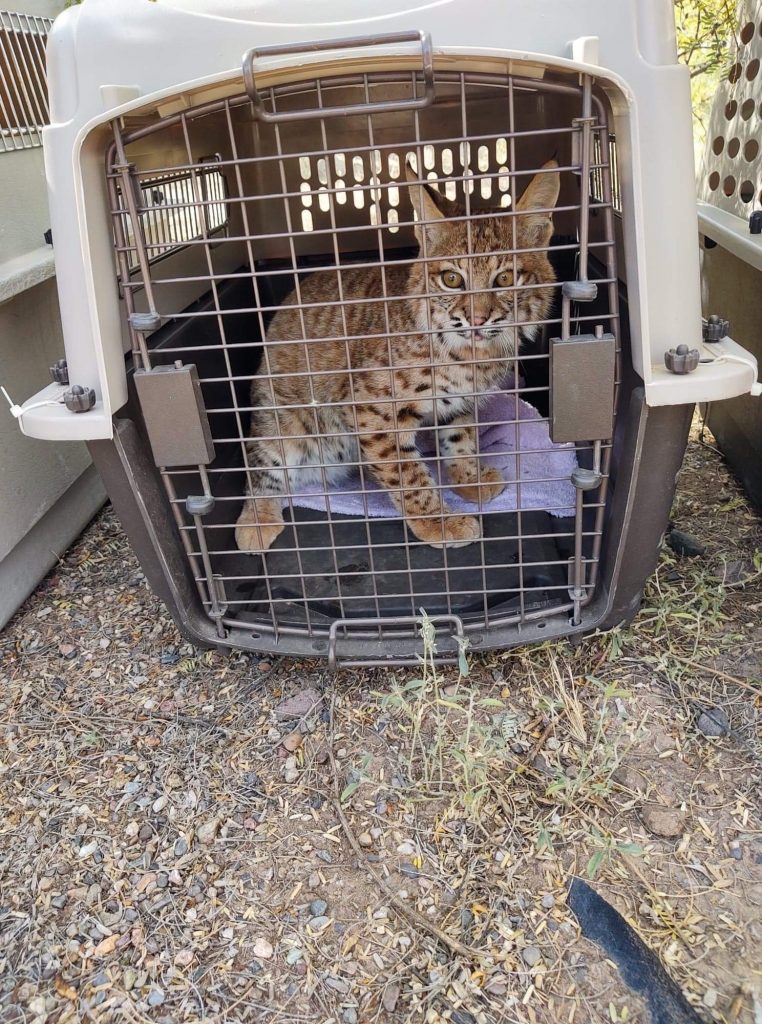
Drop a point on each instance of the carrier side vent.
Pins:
(23, 81)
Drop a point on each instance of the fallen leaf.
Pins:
(64, 989)
(107, 945)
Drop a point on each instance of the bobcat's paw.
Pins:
(453, 532)
(257, 538)
(479, 490)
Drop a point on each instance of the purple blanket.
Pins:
(540, 468)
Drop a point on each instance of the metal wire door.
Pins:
(225, 213)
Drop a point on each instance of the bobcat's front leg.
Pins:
(458, 447)
(396, 464)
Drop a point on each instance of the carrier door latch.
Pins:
(583, 374)
(174, 415)
(389, 641)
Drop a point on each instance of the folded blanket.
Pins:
(523, 452)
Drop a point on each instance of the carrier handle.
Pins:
(351, 43)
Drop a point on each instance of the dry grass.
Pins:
(158, 866)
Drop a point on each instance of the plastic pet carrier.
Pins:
(730, 221)
(384, 316)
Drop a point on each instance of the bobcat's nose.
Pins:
(478, 321)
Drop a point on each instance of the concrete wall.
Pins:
(49, 491)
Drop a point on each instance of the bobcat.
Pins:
(313, 413)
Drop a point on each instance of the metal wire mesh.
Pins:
(312, 213)
(23, 84)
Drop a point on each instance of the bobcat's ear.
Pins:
(539, 198)
(426, 209)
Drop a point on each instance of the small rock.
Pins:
(710, 998)
(462, 1017)
(713, 722)
(156, 997)
(146, 832)
(541, 765)
(208, 831)
(160, 804)
(293, 741)
(318, 908)
(273, 735)
(390, 997)
(349, 1016)
(735, 850)
(549, 901)
(317, 924)
(184, 958)
(87, 850)
(406, 849)
(666, 822)
(59, 902)
(531, 955)
(294, 956)
(162, 881)
(181, 847)
(324, 855)
(365, 839)
(684, 545)
(291, 775)
(314, 880)
(174, 877)
(67, 651)
(552, 743)
(300, 705)
(337, 984)
(262, 948)
(630, 779)
(409, 870)
(128, 979)
(496, 986)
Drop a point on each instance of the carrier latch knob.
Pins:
(715, 328)
(199, 504)
(59, 372)
(682, 359)
(580, 291)
(755, 223)
(79, 399)
(585, 479)
(145, 323)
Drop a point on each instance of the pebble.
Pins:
(101, 978)
(713, 722)
(684, 545)
(462, 1017)
(156, 997)
(262, 948)
(365, 839)
(162, 881)
(145, 833)
(666, 822)
(273, 735)
(304, 703)
(314, 880)
(409, 871)
(735, 850)
(293, 741)
(552, 743)
(129, 978)
(349, 1016)
(291, 775)
(406, 849)
(710, 998)
(294, 956)
(531, 955)
(337, 984)
(319, 922)
(496, 987)
(67, 650)
(59, 902)
(208, 831)
(184, 958)
(390, 997)
(160, 804)
(324, 855)
(549, 901)
(181, 847)
(318, 908)
(87, 850)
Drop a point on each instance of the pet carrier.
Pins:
(385, 316)
(730, 221)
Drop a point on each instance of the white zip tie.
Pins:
(726, 357)
(17, 411)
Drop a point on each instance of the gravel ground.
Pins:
(192, 836)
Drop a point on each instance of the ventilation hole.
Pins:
(718, 145)
(304, 166)
(306, 199)
(447, 161)
(714, 180)
(393, 194)
(306, 220)
(429, 157)
(468, 184)
(747, 32)
(501, 151)
(464, 151)
(340, 163)
(412, 159)
(358, 198)
(324, 200)
(393, 221)
(733, 147)
(505, 200)
(451, 190)
(747, 109)
(341, 194)
(752, 69)
(482, 157)
(735, 73)
(746, 191)
(729, 185)
(503, 179)
(394, 165)
(376, 162)
(358, 168)
(751, 150)
(730, 110)
(374, 217)
(322, 171)
(432, 176)
(486, 187)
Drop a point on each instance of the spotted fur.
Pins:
(360, 396)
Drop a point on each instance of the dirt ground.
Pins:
(192, 836)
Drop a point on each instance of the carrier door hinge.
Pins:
(174, 415)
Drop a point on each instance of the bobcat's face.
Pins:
(480, 287)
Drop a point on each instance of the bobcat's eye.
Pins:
(452, 279)
(504, 279)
